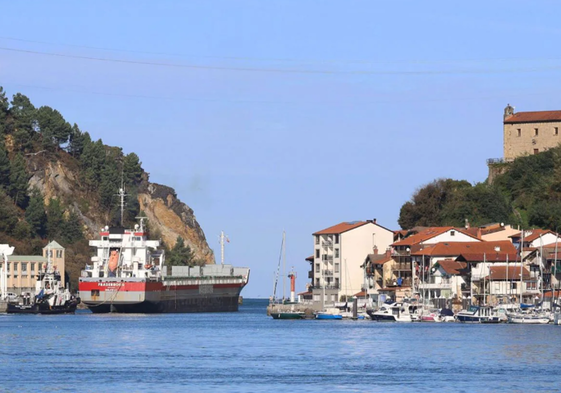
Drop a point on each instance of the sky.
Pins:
(294, 115)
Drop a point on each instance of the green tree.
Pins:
(132, 170)
(55, 219)
(35, 214)
(4, 109)
(4, 168)
(72, 229)
(76, 141)
(18, 181)
(53, 128)
(8, 214)
(181, 255)
(24, 122)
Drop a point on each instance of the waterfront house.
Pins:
(337, 268)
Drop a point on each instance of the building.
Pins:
(22, 270)
(337, 268)
(529, 132)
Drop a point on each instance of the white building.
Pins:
(339, 253)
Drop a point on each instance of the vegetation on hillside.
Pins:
(528, 194)
(27, 219)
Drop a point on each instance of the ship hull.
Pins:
(103, 296)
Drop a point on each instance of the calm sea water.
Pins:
(250, 352)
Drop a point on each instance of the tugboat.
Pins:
(51, 297)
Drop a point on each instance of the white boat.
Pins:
(394, 312)
(478, 314)
(528, 318)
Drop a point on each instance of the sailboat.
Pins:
(277, 311)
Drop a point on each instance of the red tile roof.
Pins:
(340, 228)
(499, 273)
(489, 257)
(423, 235)
(533, 117)
(461, 248)
(532, 234)
(452, 267)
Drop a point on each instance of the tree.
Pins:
(8, 214)
(55, 219)
(76, 141)
(132, 170)
(4, 168)
(4, 108)
(72, 229)
(24, 122)
(54, 129)
(181, 255)
(18, 181)
(35, 213)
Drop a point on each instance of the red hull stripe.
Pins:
(142, 286)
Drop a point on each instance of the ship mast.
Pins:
(122, 196)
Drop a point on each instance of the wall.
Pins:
(516, 146)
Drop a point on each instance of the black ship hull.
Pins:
(190, 305)
(42, 308)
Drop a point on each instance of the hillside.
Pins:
(527, 192)
(57, 183)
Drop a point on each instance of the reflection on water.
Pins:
(248, 351)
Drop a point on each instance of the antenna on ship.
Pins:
(122, 196)
(222, 237)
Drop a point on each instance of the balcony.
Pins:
(393, 283)
(327, 273)
(402, 267)
(436, 285)
(327, 243)
(328, 258)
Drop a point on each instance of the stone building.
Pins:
(529, 132)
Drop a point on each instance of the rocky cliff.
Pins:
(167, 215)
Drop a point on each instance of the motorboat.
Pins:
(392, 312)
(478, 314)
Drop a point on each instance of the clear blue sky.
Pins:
(288, 115)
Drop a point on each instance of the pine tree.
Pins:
(55, 219)
(4, 168)
(72, 229)
(77, 141)
(132, 170)
(181, 255)
(35, 213)
(24, 122)
(18, 181)
(4, 107)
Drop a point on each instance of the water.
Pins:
(250, 352)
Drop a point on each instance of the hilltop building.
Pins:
(529, 132)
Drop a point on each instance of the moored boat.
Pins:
(128, 275)
(393, 312)
(478, 314)
(50, 297)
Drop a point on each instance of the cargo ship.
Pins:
(128, 274)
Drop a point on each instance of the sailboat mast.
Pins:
(283, 264)
(521, 264)
(484, 291)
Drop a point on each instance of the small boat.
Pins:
(288, 315)
(326, 315)
(50, 296)
(333, 313)
(528, 318)
(393, 312)
(478, 314)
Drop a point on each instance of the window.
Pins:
(317, 282)
(317, 253)
(317, 267)
(556, 131)
(536, 151)
(337, 253)
(519, 132)
(15, 267)
(24, 267)
(32, 267)
(336, 268)
(535, 132)
(452, 233)
(8, 267)
(317, 239)
(59, 253)
(336, 239)
(336, 282)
